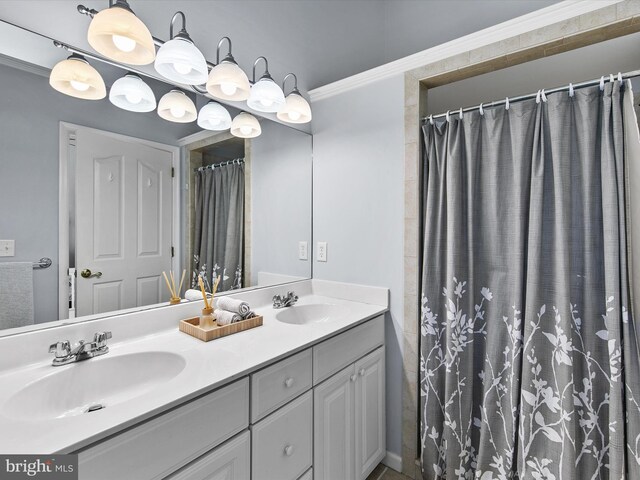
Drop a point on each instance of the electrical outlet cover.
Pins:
(322, 251)
(7, 248)
(302, 251)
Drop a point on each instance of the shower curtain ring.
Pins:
(481, 110)
(619, 77)
(447, 115)
(431, 119)
(602, 83)
(543, 95)
(460, 113)
(571, 90)
(506, 103)
(538, 97)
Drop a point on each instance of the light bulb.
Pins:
(79, 86)
(245, 129)
(228, 88)
(124, 44)
(267, 102)
(134, 97)
(177, 112)
(182, 68)
(294, 115)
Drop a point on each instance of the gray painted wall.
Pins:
(30, 112)
(281, 170)
(358, 182)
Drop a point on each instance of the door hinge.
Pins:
(172, 252)
(173, 172)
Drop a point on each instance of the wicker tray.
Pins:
(190, 326)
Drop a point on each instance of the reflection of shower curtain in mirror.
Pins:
(218, 239)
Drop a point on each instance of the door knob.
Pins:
(86, 273)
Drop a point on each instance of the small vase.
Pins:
(174, 300)
(207, 319)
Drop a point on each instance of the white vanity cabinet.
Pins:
(349, 406)
(318, 414)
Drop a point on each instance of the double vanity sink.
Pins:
(152, 368)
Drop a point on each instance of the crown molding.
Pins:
(544, 17)
(25, 66)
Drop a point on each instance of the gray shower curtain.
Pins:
(529, 365)
(219, 226)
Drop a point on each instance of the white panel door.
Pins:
(333, 427)
(370, 413)
(123, 222)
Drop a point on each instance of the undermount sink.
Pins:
(92, 385)
(311, 313)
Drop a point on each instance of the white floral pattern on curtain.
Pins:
(529, 364)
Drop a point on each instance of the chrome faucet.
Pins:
(280, 301)
(83, 351)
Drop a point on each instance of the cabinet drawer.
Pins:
(334, 354)
(276, 385)
(229, 461)
(282, 442)
(160, 446)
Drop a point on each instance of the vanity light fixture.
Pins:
(265, 94)
(245, 125)
(296, 108)
(179, 60)
(227, 80)
(132, 94)
(76, 78)
(118, 34)
(214, 116)
(176, 107)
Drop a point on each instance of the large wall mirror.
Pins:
(115, 198)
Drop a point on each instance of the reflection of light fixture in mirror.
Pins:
(76, 78)
(296, 109)
(245, 125)
(132, 94)
(175, 106)
(179, 60)
(214, 116)
(227, 80)
(265, 95)
(118, 34)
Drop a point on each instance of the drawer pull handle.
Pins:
(288, 450)
(353, 377)
(361, 372)
(288, 382)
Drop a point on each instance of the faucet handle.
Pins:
(100, 339)
(60, 349)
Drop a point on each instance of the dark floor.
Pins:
(382, 472)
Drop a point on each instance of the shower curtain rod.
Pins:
(221, 164)
(590, 83)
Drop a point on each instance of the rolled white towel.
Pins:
(224, 317)
(249, 314)
(233, 305)
(194, 295)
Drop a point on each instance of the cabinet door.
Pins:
(333, 427)
(370, 413)
(229, 461)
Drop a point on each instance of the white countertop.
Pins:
(208, 366)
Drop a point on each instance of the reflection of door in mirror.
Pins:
(123, 222)
(217, 212)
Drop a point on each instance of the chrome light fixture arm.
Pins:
(295, 83)
(266, 73)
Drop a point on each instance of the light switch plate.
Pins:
(322, 251)
(302, 251)
(7, 248)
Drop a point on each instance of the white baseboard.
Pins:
(393, 460)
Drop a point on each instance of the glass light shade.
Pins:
(179, 60)
(132, 94)
(76, 78)
(266, 96)
(214, 116)
(119, 35)
(245, 125)
(175, 106)
(228, 82)
(295, 110)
